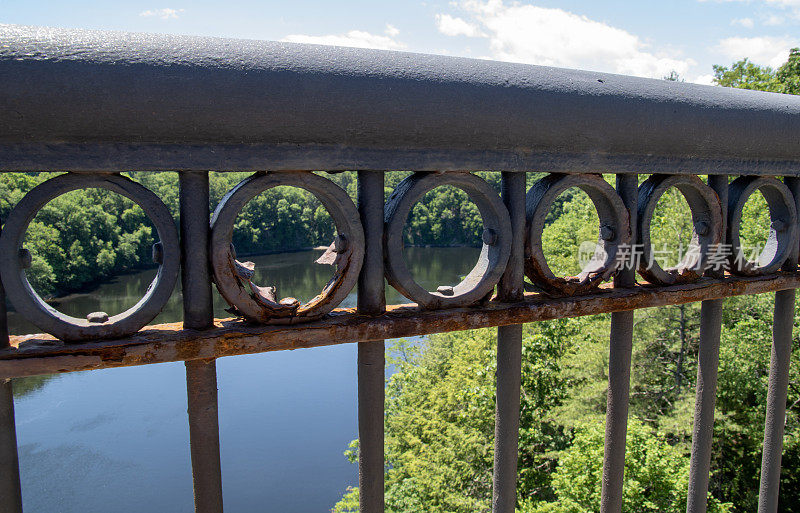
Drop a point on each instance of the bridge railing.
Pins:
(93, 105)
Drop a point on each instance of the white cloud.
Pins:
(704, 80)
(164, 14)
(537, 35)
(452, 26)
(744, 22)
(770, 51)
(774, 20)
(353, 38)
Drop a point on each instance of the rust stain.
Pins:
(186, 350)
(42, 354)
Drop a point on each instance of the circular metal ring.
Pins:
(67, 328)
(614, 231)
(706, 232)
(783, 228)
(496, 249)
(260, 304)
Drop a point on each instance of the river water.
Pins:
(117, 440)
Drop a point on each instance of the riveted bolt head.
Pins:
(445, 290)
(97, 317)
(489, 237)
(779, 225)
(25, 258)
(340, 244)
(607, 233)
(158, 253)
(701, 228)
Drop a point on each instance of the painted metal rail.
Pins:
(95, 104)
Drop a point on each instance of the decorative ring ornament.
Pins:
(706, 232)
(480, 281)
(261, 304)
(14, 258)
(614, 231)
(783, 227)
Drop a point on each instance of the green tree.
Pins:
(439, 450)
(745, 346)
(83, 237)
(656, 474)
(440, 419)
(348, 503)
(788, 75)
(744, 74)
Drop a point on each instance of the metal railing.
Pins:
(96, 104)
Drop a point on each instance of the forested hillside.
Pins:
(83, 237)
(440, 402)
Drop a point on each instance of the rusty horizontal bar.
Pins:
(32, 355)
(90, 100)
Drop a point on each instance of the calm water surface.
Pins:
(117, 439)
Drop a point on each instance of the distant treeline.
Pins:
(86, 236)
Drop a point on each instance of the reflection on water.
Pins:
(293, 274)
(117, 439)
(432, 267)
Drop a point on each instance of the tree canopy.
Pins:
(86, 236)
(440, 401)
(746, 75)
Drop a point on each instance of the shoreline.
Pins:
(88, 288)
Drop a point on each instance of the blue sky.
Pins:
(644, 38)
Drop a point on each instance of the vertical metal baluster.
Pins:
(371, 361)
(198, 313)
(783, 321)
(509, 354)
(10, 491)
(198, 309)
(707, 364)
(619, 370)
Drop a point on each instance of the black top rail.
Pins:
(87, 100)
